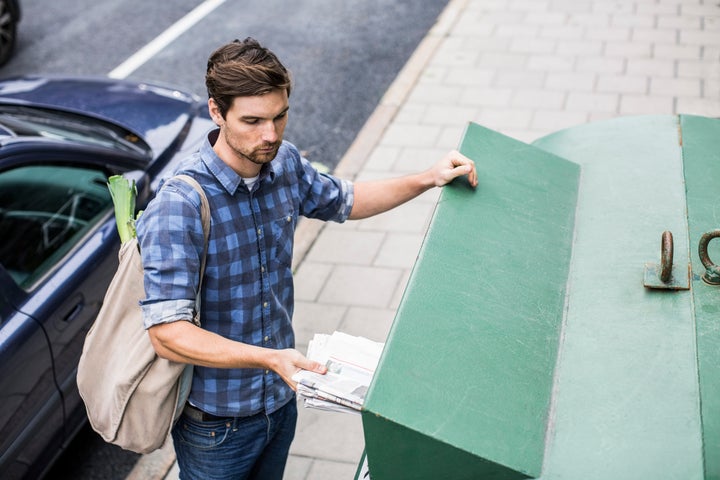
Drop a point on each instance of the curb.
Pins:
(156, 465)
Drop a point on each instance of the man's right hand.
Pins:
(290, 361)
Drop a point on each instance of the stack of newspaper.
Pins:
(351, 362)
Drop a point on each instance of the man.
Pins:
(241, 413)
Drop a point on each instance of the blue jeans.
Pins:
(235, 448)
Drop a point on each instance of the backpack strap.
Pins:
(205, 218)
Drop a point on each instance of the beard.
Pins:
(258, 155)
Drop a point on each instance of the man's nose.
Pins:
(270, 133)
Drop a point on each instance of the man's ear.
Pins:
(214, 111)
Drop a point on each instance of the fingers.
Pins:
(462, 165)
(314, 367)
(292, 362)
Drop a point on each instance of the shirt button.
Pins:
(265, 304)
(259, 231)
(288, 218)
(267, 372)
(267, 338)
(262, 268)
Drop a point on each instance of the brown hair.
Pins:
(243, 69)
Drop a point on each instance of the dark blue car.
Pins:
(60, 139)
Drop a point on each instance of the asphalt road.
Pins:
(343, 56)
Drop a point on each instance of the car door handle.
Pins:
(73, 313)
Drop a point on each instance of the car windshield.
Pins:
(37, 122)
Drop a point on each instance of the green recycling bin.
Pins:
(562, 321)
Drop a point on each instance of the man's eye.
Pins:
(251, 121)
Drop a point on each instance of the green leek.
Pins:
(123, 193)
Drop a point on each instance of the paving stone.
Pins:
(328, 436)
(360, 286)
(309, 279)
(341, 246)
(371, 323)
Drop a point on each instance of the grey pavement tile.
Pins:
(557, 120)
(538, 99)
(343, 246)
(547, 20)
(624, 49)
(502, 60)
(361, 286)
(567, 81)
(609, 33)
(411, 217)
(517, 79)
(432, 94)
(652, 8)
(403, 134)
(532, 45)
(565, 33)
(654, 35)
(447, 114)
(472, 76)
(677, 52)
(643, 104)
(698, 69)
(173, 473)
(383, 157)
(408, 113)
(629, 20)
(623, 84)
(505, 118)
(676, 87)
(327, 470)
(588, 19)
(312, 317)
(592, 102)
(450, 136)
(298, 468)
(563, 61)
(486, 96)
(699, 106)
(600, 65)
(578, 47)
(412, 159)
(516, 29)
(309, 279)
(371, 323)
(399, 250)
(652, 67)
(685, 22)
(400, 290)
(330, 436)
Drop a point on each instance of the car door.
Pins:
(60, 250)
(31, 417)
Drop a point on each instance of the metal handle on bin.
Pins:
(666, 256)
(712, 271)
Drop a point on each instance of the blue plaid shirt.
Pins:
(247, 291)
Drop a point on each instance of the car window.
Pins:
(44, 212)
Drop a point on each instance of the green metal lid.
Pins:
(528, 343)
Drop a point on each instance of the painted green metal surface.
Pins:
(464, 385)
(701, 156)
(626, 398)
(527, 345)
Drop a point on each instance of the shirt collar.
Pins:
(227, 177)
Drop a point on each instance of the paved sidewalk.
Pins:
(522, 67)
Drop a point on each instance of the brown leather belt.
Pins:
(199, 415)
